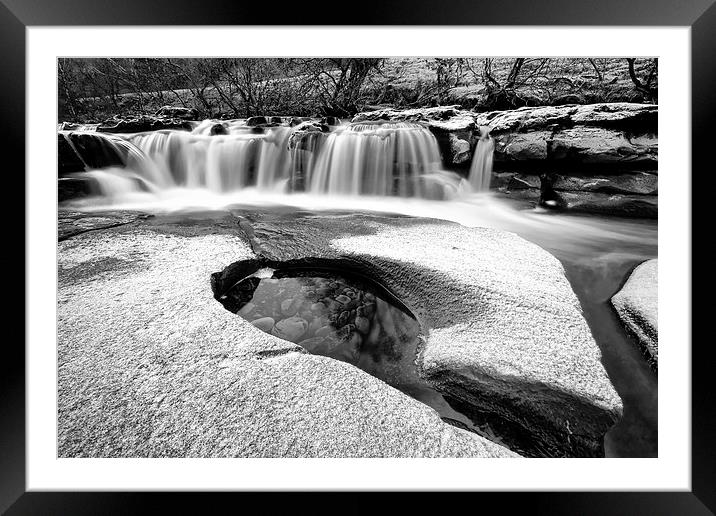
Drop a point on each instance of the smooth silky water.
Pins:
(247, 171)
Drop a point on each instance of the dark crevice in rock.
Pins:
(222, 281)
(526, 429)
(265, 354)
(61, 238)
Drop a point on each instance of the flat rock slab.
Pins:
(619, 133)
(151, 365)
(73, 223)
(503, 331)
(637, 305)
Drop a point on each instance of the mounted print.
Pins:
(357, 257)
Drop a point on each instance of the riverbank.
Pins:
(589, 241)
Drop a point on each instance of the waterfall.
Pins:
(220, 163)
(481, 168)
(375, 159)
(224, 156)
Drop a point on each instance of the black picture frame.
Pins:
(700, 15)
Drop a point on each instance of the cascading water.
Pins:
(481, 168)
(220, 157)
(376, 159)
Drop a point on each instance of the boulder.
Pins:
(637, 305)
(218, 129)
(459, 150)
(522, 146)
(303, 144)
(151, 365)
(81, 150)
(73, 188)
(143, 123)
(640, 206)
(68, 159)
(331, 120)
(620, 133)
(502, 332)
(256, 120)
(183, 113)
(602, 145)
(639, 183)
(302, 132)
(618, 115)
(440, 118)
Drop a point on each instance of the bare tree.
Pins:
(648, 87)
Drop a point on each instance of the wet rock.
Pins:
(639, 183)
(637, 304)
(74, 188)
(256, 121)
(522, 146)
(331, 120)
(638, 206)
(68, 160)
(459, 150)
(265, 324)
(307, 136)
(91, 149)
(523, 181)
(603, 145)
(333, 305)
(246, 310)
(290, 306)
(218, 129)
(291, 329)
(343, 299)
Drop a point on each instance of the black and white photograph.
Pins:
(350, 257)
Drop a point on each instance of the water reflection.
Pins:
(345, 318)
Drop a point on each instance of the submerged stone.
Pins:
(291, 329)
(264, 324)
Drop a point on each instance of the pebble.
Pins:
(316, 323)
(246, 309)
(291, 329)
(291, 306)
(264, 324)
(318, 307)
(343, 299)
(343, 319)
(324, 331)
